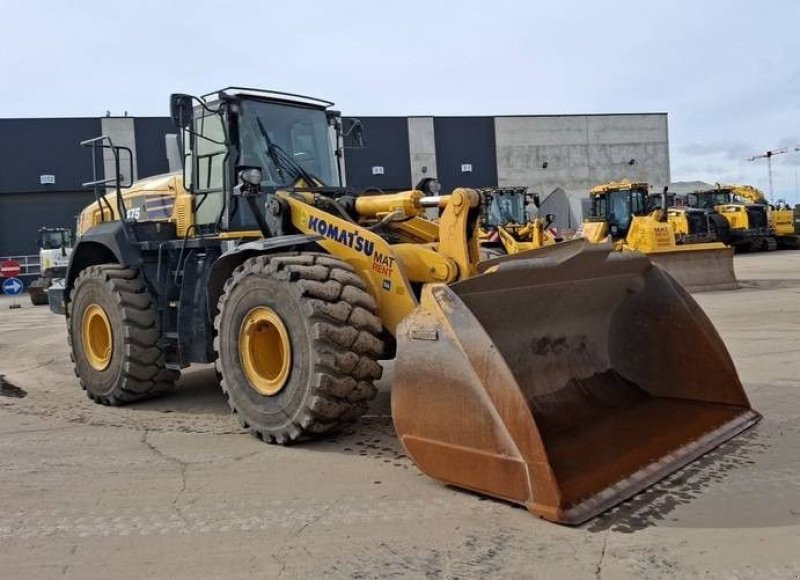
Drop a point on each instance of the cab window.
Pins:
(207, 180)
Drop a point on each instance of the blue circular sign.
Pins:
(13, 286)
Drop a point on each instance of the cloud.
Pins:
(730, 151)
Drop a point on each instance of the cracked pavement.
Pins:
(174, 488)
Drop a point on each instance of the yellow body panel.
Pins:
(678, 221)
(736, 214)
(648, 235)
(594, 231)
(160, 198)
(782, 220)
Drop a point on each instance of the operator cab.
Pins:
(506, 207)
(55, 238)
(710, 199)
(617, 206)
(241, 144)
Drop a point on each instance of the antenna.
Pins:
(768, 155)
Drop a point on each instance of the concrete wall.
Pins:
(422, 148)
(578, 151)
(122, 132)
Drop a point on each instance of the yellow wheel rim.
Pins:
(98, 342)
(265, 350)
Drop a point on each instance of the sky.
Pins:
(727, 73)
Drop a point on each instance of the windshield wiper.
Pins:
(283, 161)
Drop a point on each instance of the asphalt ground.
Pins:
(173, 488)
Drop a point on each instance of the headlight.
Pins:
(434, 187)
(253, 176)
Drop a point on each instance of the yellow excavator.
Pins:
(565, 379)
(780, 217)
(747, 214)
(622, 212)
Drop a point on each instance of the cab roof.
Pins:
(624, 185)
(268, 95)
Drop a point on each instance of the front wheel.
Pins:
(297, 345)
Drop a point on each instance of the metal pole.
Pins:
(769, 169)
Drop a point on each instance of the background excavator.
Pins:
(623, 212)
(565, 379)
(780, 217)
(746, 211)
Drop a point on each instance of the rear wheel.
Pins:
(113, 335)
(297, 345)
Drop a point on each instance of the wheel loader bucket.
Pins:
(699, 267)
(565, 379)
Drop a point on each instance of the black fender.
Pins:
(104, 243)
(224, 266)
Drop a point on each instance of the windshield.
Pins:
(278, 138)
(54, 240)
(506, 208)
(708, 200)
(619, 211)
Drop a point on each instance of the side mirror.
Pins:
(536, 201)
(180, 110)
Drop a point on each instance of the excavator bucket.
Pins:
(565, 379)
(699, 267)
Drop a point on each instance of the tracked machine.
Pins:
(750, 226)
(623, 213)
(564, 379)
(506, 225)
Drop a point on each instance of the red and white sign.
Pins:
(10, 269)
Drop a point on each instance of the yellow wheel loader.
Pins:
(564, 379)
(750, 226)
(622, 213)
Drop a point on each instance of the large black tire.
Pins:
(137, 367)
(38, 291)
(720, 228)
(333, 333)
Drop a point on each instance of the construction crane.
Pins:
(768, 155)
